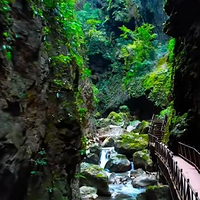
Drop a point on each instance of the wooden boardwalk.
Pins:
(189, 172)
(182, 171)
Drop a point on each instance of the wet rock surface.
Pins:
(141, 159)
(129, 143)
(161, 192)
(95, 176)
(88, 193)
(144, 181)
(118, 163)
(40, 138)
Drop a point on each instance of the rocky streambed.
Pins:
(119, 166)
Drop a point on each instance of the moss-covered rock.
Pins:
(118, 163)
(94, 176)
(129, 143)
(119, 119)
(141, 159)
(158, 192)
(143, 127)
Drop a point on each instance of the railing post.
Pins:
(188, 189)
(196, 196)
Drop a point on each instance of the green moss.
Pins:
(100, 175)
(176, 124)
(118, 118)
(154, 187)
(159, 83)
(143, 154)
(133, 140)
(124, 109)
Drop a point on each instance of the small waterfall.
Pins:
(119, 191)
(132, 167)
(104, 157)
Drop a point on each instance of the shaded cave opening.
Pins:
(142, 108)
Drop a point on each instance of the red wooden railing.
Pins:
(190, 154)
(179, 184)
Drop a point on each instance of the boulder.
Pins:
(88, 193)
(96, 149)
(141, 159)
(108, 142)
(133, 125)
(143, 127)
(156, 193)
(92, 158)
(129, 143)
(118, 163)
(137, 172)
(94, 176)
(144, 181)
(110, 131)
(102, 122)
(119, 119)
(118, 178)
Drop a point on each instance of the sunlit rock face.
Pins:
(183, 24)
(40, 136)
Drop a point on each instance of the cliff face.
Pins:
(184, 25)
(40, 131)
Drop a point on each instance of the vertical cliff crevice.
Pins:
(185, 28)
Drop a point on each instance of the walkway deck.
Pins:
(182, 171)
(189, 172)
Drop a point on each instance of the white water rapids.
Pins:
(119, 191)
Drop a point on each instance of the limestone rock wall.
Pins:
(40, 132)
(184, 25)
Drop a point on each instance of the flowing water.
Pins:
(119, 191)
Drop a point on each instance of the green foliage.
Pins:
(80, 104)
(176, 124)
(4, 6)
(79, 175)
(34, 172)
(86, 73)
(88, 16)
(171, 47)
(83, 145)
(159, 83)
(136, 53)
(9, 55)
(154, 187)
(61, 59)
(50, 190)
(65, 23)
(95, 93)
(41, 161)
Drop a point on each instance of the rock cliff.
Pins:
(40, 128)
(183, 24)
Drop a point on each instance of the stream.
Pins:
(119, 191)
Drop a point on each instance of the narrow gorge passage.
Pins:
(79, 83)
